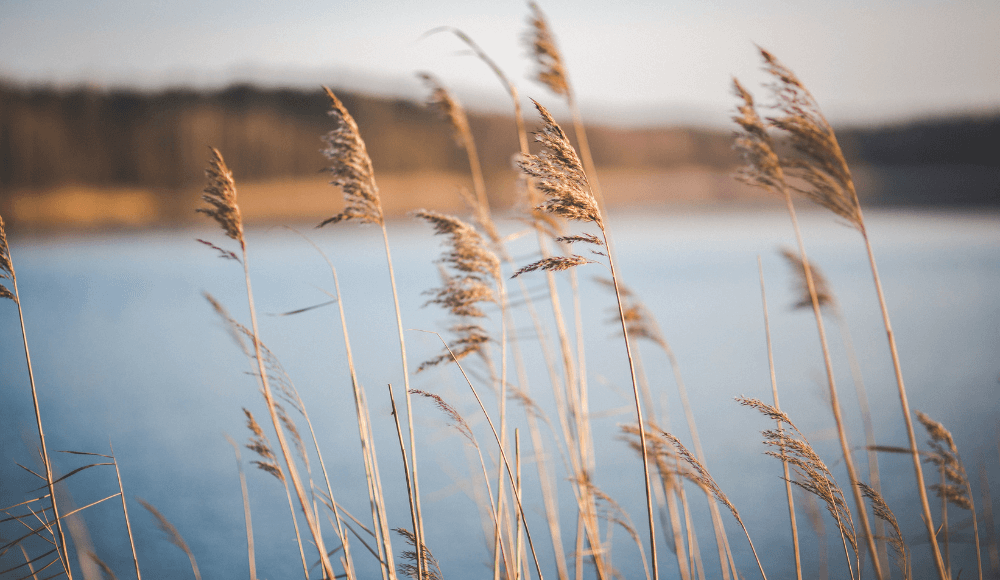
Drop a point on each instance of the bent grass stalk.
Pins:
(220, 194)
(7, 271)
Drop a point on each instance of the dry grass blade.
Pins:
(701, 475)
(220, 194)
(351, 168)
(705, 479)
(821, 163)
(945, 456)
(432, 569)
(471, 339)
(259, 444)
(456, 419)
(559, 174)
(542, 46)
(554, 264)
(823, 293)
(468, 251)
(6, 265)
(106, 571)
(882, 511)
(172, 534)
(813, 474)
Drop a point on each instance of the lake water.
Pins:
(126, 349)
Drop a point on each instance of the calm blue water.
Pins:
(127, 350)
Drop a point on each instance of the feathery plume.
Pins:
(945, 456)
(472, 338)
(432, 571)
(820, 163)
(554, 264)
(813, 475)
(351, 168)
(172, 534)
(456, 419)
(701, 474)
(559, 174)
(6, 265)
(542, 46)
(823, 293)
(259, 444)
(882, 511)
(756, 147)
(639, 321)
(220, 194)
(445, 103)
(469, 252)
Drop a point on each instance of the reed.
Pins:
(7, 273)
(764, 169)
(821, 165)
(220, 195)
(561, 178)
(352, 172)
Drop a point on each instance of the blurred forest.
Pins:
(144, 154)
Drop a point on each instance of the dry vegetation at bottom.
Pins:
(481, 287)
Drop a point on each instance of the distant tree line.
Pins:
(159, 140)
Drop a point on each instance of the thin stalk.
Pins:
(282, 442)
(721, 540)
(61, 537)
(774, 392)
(517, 541)
(298, 536)
(377, 501)
(638, 412)
(834, 398)
(914, 452)
(944, 523)
(406, 474)
(418, 527)
(128, 525)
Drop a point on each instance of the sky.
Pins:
(642, 62)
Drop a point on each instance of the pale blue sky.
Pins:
(875, 61)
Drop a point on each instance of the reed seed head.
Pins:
(823, 293)
(259, 444)
(442, 101)
(944, 454)
(701, 474)
(472, 339)
(6, 265)
(351, 168)
(554, 264)
(559, 174)
(762, 167)
(468, 252)
(820, 161)
(543, 49)
(454, 417)
(432, 571)
(220, 195)
(895, 539)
